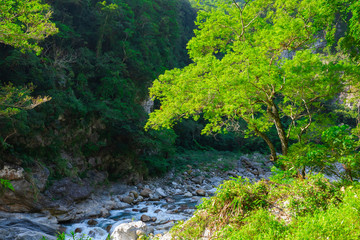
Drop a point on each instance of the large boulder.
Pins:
(26, 195)
(146, 192)
(130, 231)
(70, 189)
(160, 192)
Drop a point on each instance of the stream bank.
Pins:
(98, 211)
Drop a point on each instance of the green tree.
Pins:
(22, 24)
(25, 22)
(255, 61)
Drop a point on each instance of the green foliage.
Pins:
(339, 146)
(6, 184)
(241, 71)
(259, 225)
(303, 209)
(97, 71)
(343, 147)
(13, 100)
(25, 22)
(71, 236)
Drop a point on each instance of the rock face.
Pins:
(25, 196)
(27, 226)
(130, 231)
(70, 190)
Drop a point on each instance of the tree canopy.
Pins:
(25, 22)
(267, 62)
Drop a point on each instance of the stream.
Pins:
(166, 211)
(168, 200)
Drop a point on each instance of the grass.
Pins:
(312, 208)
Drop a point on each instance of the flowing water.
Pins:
(166, 213)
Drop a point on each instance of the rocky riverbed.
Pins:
(122, 211)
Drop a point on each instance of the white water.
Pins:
(166, 213)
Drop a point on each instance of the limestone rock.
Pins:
(200, 192)
(12, 172)
(188, 194)
(154, 197)
(198, 180)
(27, 226)
(161, 192)
(128, 231)
(128, 199)
(146, 192)
(135, 193)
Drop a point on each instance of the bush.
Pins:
(270, 210)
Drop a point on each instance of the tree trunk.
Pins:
(269, 143)
(274, 114)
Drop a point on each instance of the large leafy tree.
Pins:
(262, 61)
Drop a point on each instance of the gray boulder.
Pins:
(27, 226)
(70, 190)
(130, 231)
(161, 192)
(146, 192)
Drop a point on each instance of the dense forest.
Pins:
(96, 70)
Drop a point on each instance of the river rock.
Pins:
(146, 192)
(200, 192)
(145, 218)
(92, 222)
(231, 173)
(212, 191)
(198, 179)
(160, 192)
(135, 193)
(154, 197)
(143, 210)
(178, 191)
(216, 181)
(188, 194)
(169, 200)
(27, 226)
(140, 199)
(127, 231)
(128, 199)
